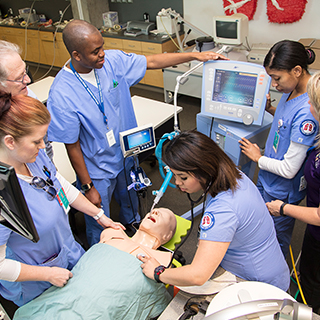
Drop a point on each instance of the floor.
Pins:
(173, 199)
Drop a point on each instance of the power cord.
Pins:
(193, 306)
(297, 278)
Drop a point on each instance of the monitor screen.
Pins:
(227, 29)
(15, 213)
(234, 91)
(230, 30)
(139, 138)
(234, 87)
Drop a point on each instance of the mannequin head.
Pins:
(160, 223)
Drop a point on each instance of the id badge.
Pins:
(110, 137)
(63, 201)
(303, 184)
(276, 141)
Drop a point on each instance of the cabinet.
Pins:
(34, 51)
(46, 48)
(63, 53)
(152, 77)
(53, 48)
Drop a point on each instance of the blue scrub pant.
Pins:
(284, 225)
(118, 188)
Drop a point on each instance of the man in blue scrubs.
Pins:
(90, 103)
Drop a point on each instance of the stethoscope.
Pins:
(192, 203)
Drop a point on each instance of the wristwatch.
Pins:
(281, 209)
(157, 272)
(87, 186)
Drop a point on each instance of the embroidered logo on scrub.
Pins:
(127, 54)
(307, 127)
(207, 221)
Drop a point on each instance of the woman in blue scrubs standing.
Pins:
(293, 131)
(310, 252)
(27, 268)
(237, 231)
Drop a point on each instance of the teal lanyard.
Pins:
(99, 104)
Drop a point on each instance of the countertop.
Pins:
(119, 35)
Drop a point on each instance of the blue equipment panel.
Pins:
(227, 135)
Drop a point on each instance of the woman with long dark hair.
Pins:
(292, 132)
(237, 231)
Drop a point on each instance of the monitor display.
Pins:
(234, 91)
(230, 30)
(14, 212)
(139, 138)
(227, 29)
(234, 87)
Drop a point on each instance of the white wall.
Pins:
(200, 13)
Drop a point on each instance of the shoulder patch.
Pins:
(127, 54)
(207, 221)
(308, 127)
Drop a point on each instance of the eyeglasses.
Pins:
(23, 77)
(46, 185)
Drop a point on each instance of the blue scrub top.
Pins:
(242, 219)
(75, 116)
(294, 122)
(56, 238)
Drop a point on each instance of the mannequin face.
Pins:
(160, 223)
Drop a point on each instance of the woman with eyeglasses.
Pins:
(27, 268)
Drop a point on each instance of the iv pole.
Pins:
(180, 80)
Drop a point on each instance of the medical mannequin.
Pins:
(292, 132)
(107, 282)
(156, 228)
(90, 103)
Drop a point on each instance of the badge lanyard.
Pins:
(276, 139)
(61, 195)
(99, 104)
